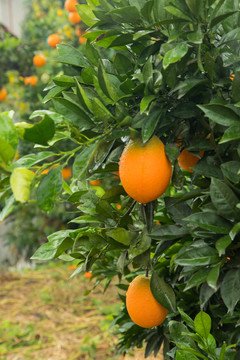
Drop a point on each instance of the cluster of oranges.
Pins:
(30, 80)
(73, 16)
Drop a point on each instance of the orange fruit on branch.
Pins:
(95, 182)
(88, 274)
(33, 80)
(39, 60)
(66, 173)
(187, 160)
(145, 170)
(70, 5)
(74, 18)
(53, 40)
(142, 307)
(3, 93)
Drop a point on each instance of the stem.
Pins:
(146, 272)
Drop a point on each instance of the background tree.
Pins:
(165, 72)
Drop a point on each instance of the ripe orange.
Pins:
(88, 274)
(44, 172)
(27, 80)
(39, 60)
(78, 32)
(66, 173)
(74, 18)
(33, 80)
(187, 160)
(3, 93)
(82, 40)
(119, 206)
(95, 182)
(53, 40)
(142, 307)
(70, 5)
(145, 170)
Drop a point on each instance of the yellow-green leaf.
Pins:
(20, 181)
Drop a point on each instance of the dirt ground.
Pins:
(46, 316)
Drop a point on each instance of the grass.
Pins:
(44, 315)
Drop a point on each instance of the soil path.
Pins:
(46, 316)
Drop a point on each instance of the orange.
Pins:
(82, 40)
(74, 18)
(44, 172)
(119, 206)
(33, 80)
(39, 60)
(78, 32)
(142, 307)
(187, 160)
(232, 77)
(66, 173)
(3, 93)
(95, 182)
(53, 40)
(27, 80)
(88, 274)
(145, 171)
(70, 5)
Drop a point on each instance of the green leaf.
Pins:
(8, 208)
(184, 355)
(213, 275)
(73, 113)
(100, 111)
(71, 56)
(85, 101)
(163, 292)
(49, 188)
(142, 243)
(231, 134)
(178, 13)
(220, 114)
(83, 160)
(231, 169)
(86, 219)
(196, 7)
(64, 81)
(230, 289)
(40, 133)
(150, 124)
(178, 334)
(197, 278)
(32, 159)
(224, 199)
(127, 14)
(8, 138)
(169, 232)
(230, 36)
(109, 84)
(92, 54)
(52, 249)
(86, 14)
(196, 256)
(210, 221)
(202, 324)
(175, 54)
(187, 319)
(121, 235)
(147, 71)
(172, 151)
(20, 180)
(222, 244)
(218, 19)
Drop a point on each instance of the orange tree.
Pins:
(165, 72)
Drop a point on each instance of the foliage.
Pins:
(167, 73)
